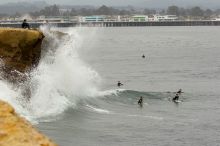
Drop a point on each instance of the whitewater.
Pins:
(75, 99)
(58, 82)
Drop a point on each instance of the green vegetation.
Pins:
(183, 13)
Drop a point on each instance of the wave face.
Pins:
(59, 81)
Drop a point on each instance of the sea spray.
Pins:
(59, 81)
(61, 78)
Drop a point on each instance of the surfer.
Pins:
(176, 98)
(180, 91)
(119, 84)
(143, 56)
(25, 24)
(140, 101)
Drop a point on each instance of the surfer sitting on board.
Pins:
(180, 91)
(119, 84)
(176, 98)
(140, 101)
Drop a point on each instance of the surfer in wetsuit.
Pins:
(119, 84)
(140, 101)
(25, 24)
(176, 98)
(143, 56)
(180, 91)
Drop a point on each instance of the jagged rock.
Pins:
(16, 131)
(20, 48)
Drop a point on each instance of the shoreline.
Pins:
(118, 24)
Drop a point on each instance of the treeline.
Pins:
(194, 12)
(103, 10)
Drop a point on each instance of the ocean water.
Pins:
(76, 102)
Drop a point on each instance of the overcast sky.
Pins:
(143, 3)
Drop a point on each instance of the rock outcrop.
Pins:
(16, 131)
(20, 50)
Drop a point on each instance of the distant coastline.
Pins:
(117, 24)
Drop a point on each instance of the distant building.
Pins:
(92, 19)
(216, 18)
(112, 18)
(124, 18)
(139, 18)
(165, 18)
(55, 19)
(144, 18)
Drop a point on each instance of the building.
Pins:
(112, 18)
(139, 18)
(164, 18)
(92, 19)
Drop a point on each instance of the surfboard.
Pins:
(177, 101)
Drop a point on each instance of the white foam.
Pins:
(146, 116)
(62, 78)
(59, 81)
(104, 111)
(110, 92)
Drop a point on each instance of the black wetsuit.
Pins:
(176, 98)
(179, 92)
(140, 101)
(119, 84)
(25, 25)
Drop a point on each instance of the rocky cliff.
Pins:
(20, 49)
(16, 131)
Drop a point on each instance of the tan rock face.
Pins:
(16, 131)
(20, 48)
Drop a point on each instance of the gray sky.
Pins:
(143, 3)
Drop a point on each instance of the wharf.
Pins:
(118, 24)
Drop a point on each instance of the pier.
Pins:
(37, 24)
(152, 23)
(118, 24)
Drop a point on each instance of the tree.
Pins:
(182, 12)
(217, 12)
(124, 12)
(208, 13)
(103, 10)
(149, 11)
(196, 12)
(50, 11)
(173, 10)
(73, 12)
(162, 12)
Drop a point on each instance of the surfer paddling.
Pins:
(176, 98)
(119, 84)
(140, 101)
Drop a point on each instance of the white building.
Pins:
(139, 18)
(92, 19)
(162, 18)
